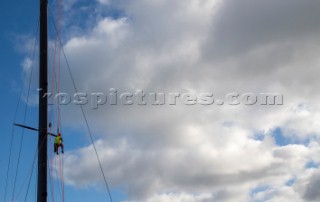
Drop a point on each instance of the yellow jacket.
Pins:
(58, 140)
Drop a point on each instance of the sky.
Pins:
(187, 152)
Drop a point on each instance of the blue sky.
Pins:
(17, 24)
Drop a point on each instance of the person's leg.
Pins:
(56, 148)
(62, 149)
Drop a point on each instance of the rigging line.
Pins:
(35, 184)
(61, 176)
(52, 66)
(54, 83)
(21, 139)
(30, 173)
(56, 175)
(33, 165)
(50, 164)
(50, 183)
(50, 174)
(51, 118)
(15, 117)
(59, 21)
(25, 114)
(55, 87)
(57, 50)
(50, 170)
(25, 180)
(84, 116)
(53, 72)
(11, 143)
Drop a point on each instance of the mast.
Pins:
(43, 104)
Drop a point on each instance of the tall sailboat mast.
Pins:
(43, 104)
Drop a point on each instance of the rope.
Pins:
(55, 88)
(51, 179)
(51, 152)
(25, 180)
(58, 21)
(59, 18)
(84, 115)
(57, 175)
(16, 113)
(61, 177)
(33, 164)
(11, 143)
(24, 120)
(53, 80)
(50, 142)
(59, 61)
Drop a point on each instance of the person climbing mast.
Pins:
(58, 142)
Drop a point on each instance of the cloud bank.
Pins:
(201, 153)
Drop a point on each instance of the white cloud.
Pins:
(104, 2)
(26, 64)
(183, 153)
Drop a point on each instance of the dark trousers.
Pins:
(56, 147)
